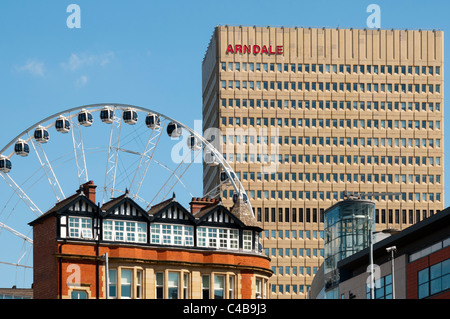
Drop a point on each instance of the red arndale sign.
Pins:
(255, 49)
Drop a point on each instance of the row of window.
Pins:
(338, 177)
(12, 296)
(331, 68)
(329, 123)
(429, 249)
(355, 87)
(294, 252)
(116, 230)
(293, 234)
(221, 238)
(290, 289)
(315, 215)
(332, 141)
(177, 285)
(321, 195)
(382, 288)
(332, 105)
(334, 159)
(163, 234)
(166, 234)
(434, 279)
(292, 270)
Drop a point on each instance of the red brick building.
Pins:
(119, 250)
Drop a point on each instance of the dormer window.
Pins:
(218, 238)
(80, 227)
(166, 234)
(128, 231)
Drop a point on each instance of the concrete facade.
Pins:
(307, 113)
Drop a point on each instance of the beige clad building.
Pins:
(308, 113)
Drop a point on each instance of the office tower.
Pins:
(309, 113)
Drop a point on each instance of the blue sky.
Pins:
(137, 52)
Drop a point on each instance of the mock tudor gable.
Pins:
(123, 207)
(218, 215)
(170, 211)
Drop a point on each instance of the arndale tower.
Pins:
(308, 113)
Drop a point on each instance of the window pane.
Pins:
(423, 290)
(423, 276)
(139, 284)
(205, 286)
(388, 289)
(231, 287)
(219, 284)
(125, 281)
(446, 282)
(435, 271)
(159, 285)
(173, 285)
(435, 286)
(112, 283)
(78, 295)
(446, 267)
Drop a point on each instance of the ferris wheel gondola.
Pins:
(130, 116)
(21, 148)
(242, 196)
(174, 130)
(85, 118)
(41, 134)
(225, 176)
(107, 115)
(152, 121)
(5, 164)
(211, 159)
(194, 143)
(62, 124)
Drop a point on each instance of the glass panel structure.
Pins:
(347, 229)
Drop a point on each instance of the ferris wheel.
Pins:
(122, 148)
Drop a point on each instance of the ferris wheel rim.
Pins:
(235, 182)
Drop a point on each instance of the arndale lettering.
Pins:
(255, 49)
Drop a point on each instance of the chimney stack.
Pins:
(89, 190)
(198, 203)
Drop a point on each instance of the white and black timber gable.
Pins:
(123, 207)
(208, 225)
(170, 211)
(219, 216)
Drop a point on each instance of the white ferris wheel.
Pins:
(120, 147)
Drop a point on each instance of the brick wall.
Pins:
(413, 268)
(45, 264)
(207, 257)
(79, 265)
(247, 285)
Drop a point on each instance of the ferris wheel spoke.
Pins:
(15, 232)
(145, 160)
(22, 195)
(179, 180)
(215, 191)
(15, 264)
(172, 176)
(47, 167)
(112, 159)
(79, 153)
